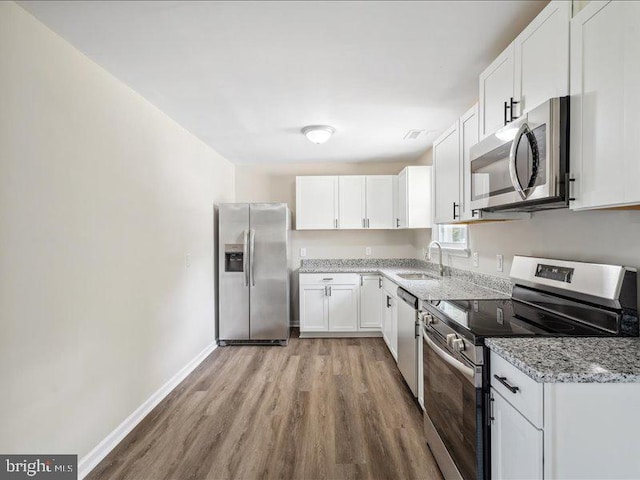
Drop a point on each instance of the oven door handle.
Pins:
(513, 173)
(457, 364)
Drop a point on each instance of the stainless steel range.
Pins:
(550, 298)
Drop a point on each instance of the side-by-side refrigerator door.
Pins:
(233, 268)
(269, 274)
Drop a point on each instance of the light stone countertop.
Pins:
(572, 359)
(457, 285)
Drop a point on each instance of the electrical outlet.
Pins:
(476, 259)
(367, 250)
(499, 263)
(303, 252)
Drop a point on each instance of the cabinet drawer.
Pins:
(528, 397)
(330, 278)
(390, 287)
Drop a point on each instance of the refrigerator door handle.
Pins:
(245, 258)
(252, 256)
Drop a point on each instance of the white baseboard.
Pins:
(95, 456)
(370, 334)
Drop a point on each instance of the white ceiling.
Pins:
(245, 77)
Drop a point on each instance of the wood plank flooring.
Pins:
(316, 409)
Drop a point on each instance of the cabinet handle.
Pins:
(368, 224)
(388, 301)
(325, 290)
(455, 205)
(512, 102)
(379, 283)
(506, 107)
(491, 417)
(361, 280)
(503, 381)
(329, 287)
(474, 212)
(570, 182)
(363, 223)
(397, 223)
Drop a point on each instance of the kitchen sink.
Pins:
(418, 276)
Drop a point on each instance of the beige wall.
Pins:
(102, 196)
(276, 183)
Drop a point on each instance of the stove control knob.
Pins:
(451, 337)
(458, 345)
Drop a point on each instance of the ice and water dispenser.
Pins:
(233, 257)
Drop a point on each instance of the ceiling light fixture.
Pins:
(318, 133)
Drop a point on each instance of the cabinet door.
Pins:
(313, 308)
(418, 201)
(542, 57)
(446, 176)
(393, 330)
(496, 87)
(516, 445)
(402, 200)
(316, 203)
(371, 302)
(387, 322)
(343, 308)
(605, 105)
(379, 201)
(351, 194)
(468, 138)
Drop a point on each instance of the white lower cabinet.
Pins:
(371, 302)
(340, 302)
(343, 307)
(390, 323)
(516, 445)
(561, 430)
(313, 308)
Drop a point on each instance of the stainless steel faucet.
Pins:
(437, 244)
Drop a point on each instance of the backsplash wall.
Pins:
(603, 236)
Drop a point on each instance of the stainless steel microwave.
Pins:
(524, 166)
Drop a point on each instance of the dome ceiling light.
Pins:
(318, 133)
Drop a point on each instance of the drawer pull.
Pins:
(327, 279)
(503, 381)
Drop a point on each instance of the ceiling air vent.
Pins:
(413, 134)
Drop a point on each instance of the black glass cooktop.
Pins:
(527, 314)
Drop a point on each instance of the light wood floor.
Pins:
(316, 409)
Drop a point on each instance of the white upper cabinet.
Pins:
(346, 202)
(605, 105)
(414, 198)
(351, 194)
(534, 68)
(452, 170)
(496, 91)
(468, 138)
(542, 57)
(316, 203)
(446, 183)
(379, 201)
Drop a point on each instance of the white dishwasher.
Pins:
(408, 339)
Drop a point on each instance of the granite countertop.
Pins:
(455, 285)
(572, 359)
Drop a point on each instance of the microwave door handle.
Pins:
(512, 160)
(457, 364)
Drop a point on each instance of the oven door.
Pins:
(519, 163)
(453, 415)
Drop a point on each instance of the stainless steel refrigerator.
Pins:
(253, 273)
